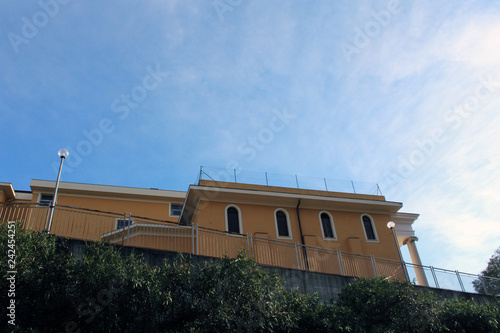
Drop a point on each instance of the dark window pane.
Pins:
(233, 223)
(121, 223)
(46, 199)
(282, 224)
(327, 226)
(175, 209)
(367, 223)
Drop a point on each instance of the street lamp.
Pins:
(391, 226)
(63, 153)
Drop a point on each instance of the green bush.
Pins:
(379, 305)
(103, 291)
(44, 291)
(227, 295)
(463, 316)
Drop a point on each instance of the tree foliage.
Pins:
(486, 285)
(378, 305)
(103, 291)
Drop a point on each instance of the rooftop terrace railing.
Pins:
(290, 181)
(134, 231)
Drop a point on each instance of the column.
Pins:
(415, 259)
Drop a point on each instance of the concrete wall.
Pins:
(328, 286)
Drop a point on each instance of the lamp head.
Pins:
(63, 153)
(391, 225)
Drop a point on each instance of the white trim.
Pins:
(373, 227)
(24, 196)
(240, 222)
(332, 223)
(403, 228)
(290, 236)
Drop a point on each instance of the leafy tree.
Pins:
(105, 291)
(489, 286)
(227, 295)
(464, 316)
(306, 313)
(379, 305)
(43, 283)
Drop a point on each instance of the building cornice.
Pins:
(8, 191)
(108, 191)
(404, 229)
(261, 196)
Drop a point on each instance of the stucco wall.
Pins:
(259, 220)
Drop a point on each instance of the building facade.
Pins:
(280, 226)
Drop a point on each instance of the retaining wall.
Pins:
(328, 286)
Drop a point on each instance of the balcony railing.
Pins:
(142, 232)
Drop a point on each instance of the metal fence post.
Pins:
(251, 246)
(374, 265)
(197, 240)
(297, 259)
(124, 220)
(341, 264)
(192, 239)
(248, 246)
(129, 223)
(435, 278)
(460, 281)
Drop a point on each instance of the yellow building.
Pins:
(323, 231)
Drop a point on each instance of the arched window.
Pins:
(327, 226)
(282, 223)
(369, 228)
(233, 220)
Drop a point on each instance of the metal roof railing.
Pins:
(290, 181)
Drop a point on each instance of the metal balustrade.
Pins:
(142, 232)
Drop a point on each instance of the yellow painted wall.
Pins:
(259, 220)
(256, 219)
(92, 225)
(153, 210)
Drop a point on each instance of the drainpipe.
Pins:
(302, 237)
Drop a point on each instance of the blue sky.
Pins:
(404, 94)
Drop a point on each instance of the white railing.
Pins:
(141, 232)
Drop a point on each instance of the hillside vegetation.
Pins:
(104, 291)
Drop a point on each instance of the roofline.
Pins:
(281, 189)
(192, 200)
(8, 190)
(299, 196)
(38, 184)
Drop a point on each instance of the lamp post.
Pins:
(391, 226)
(63, 153)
